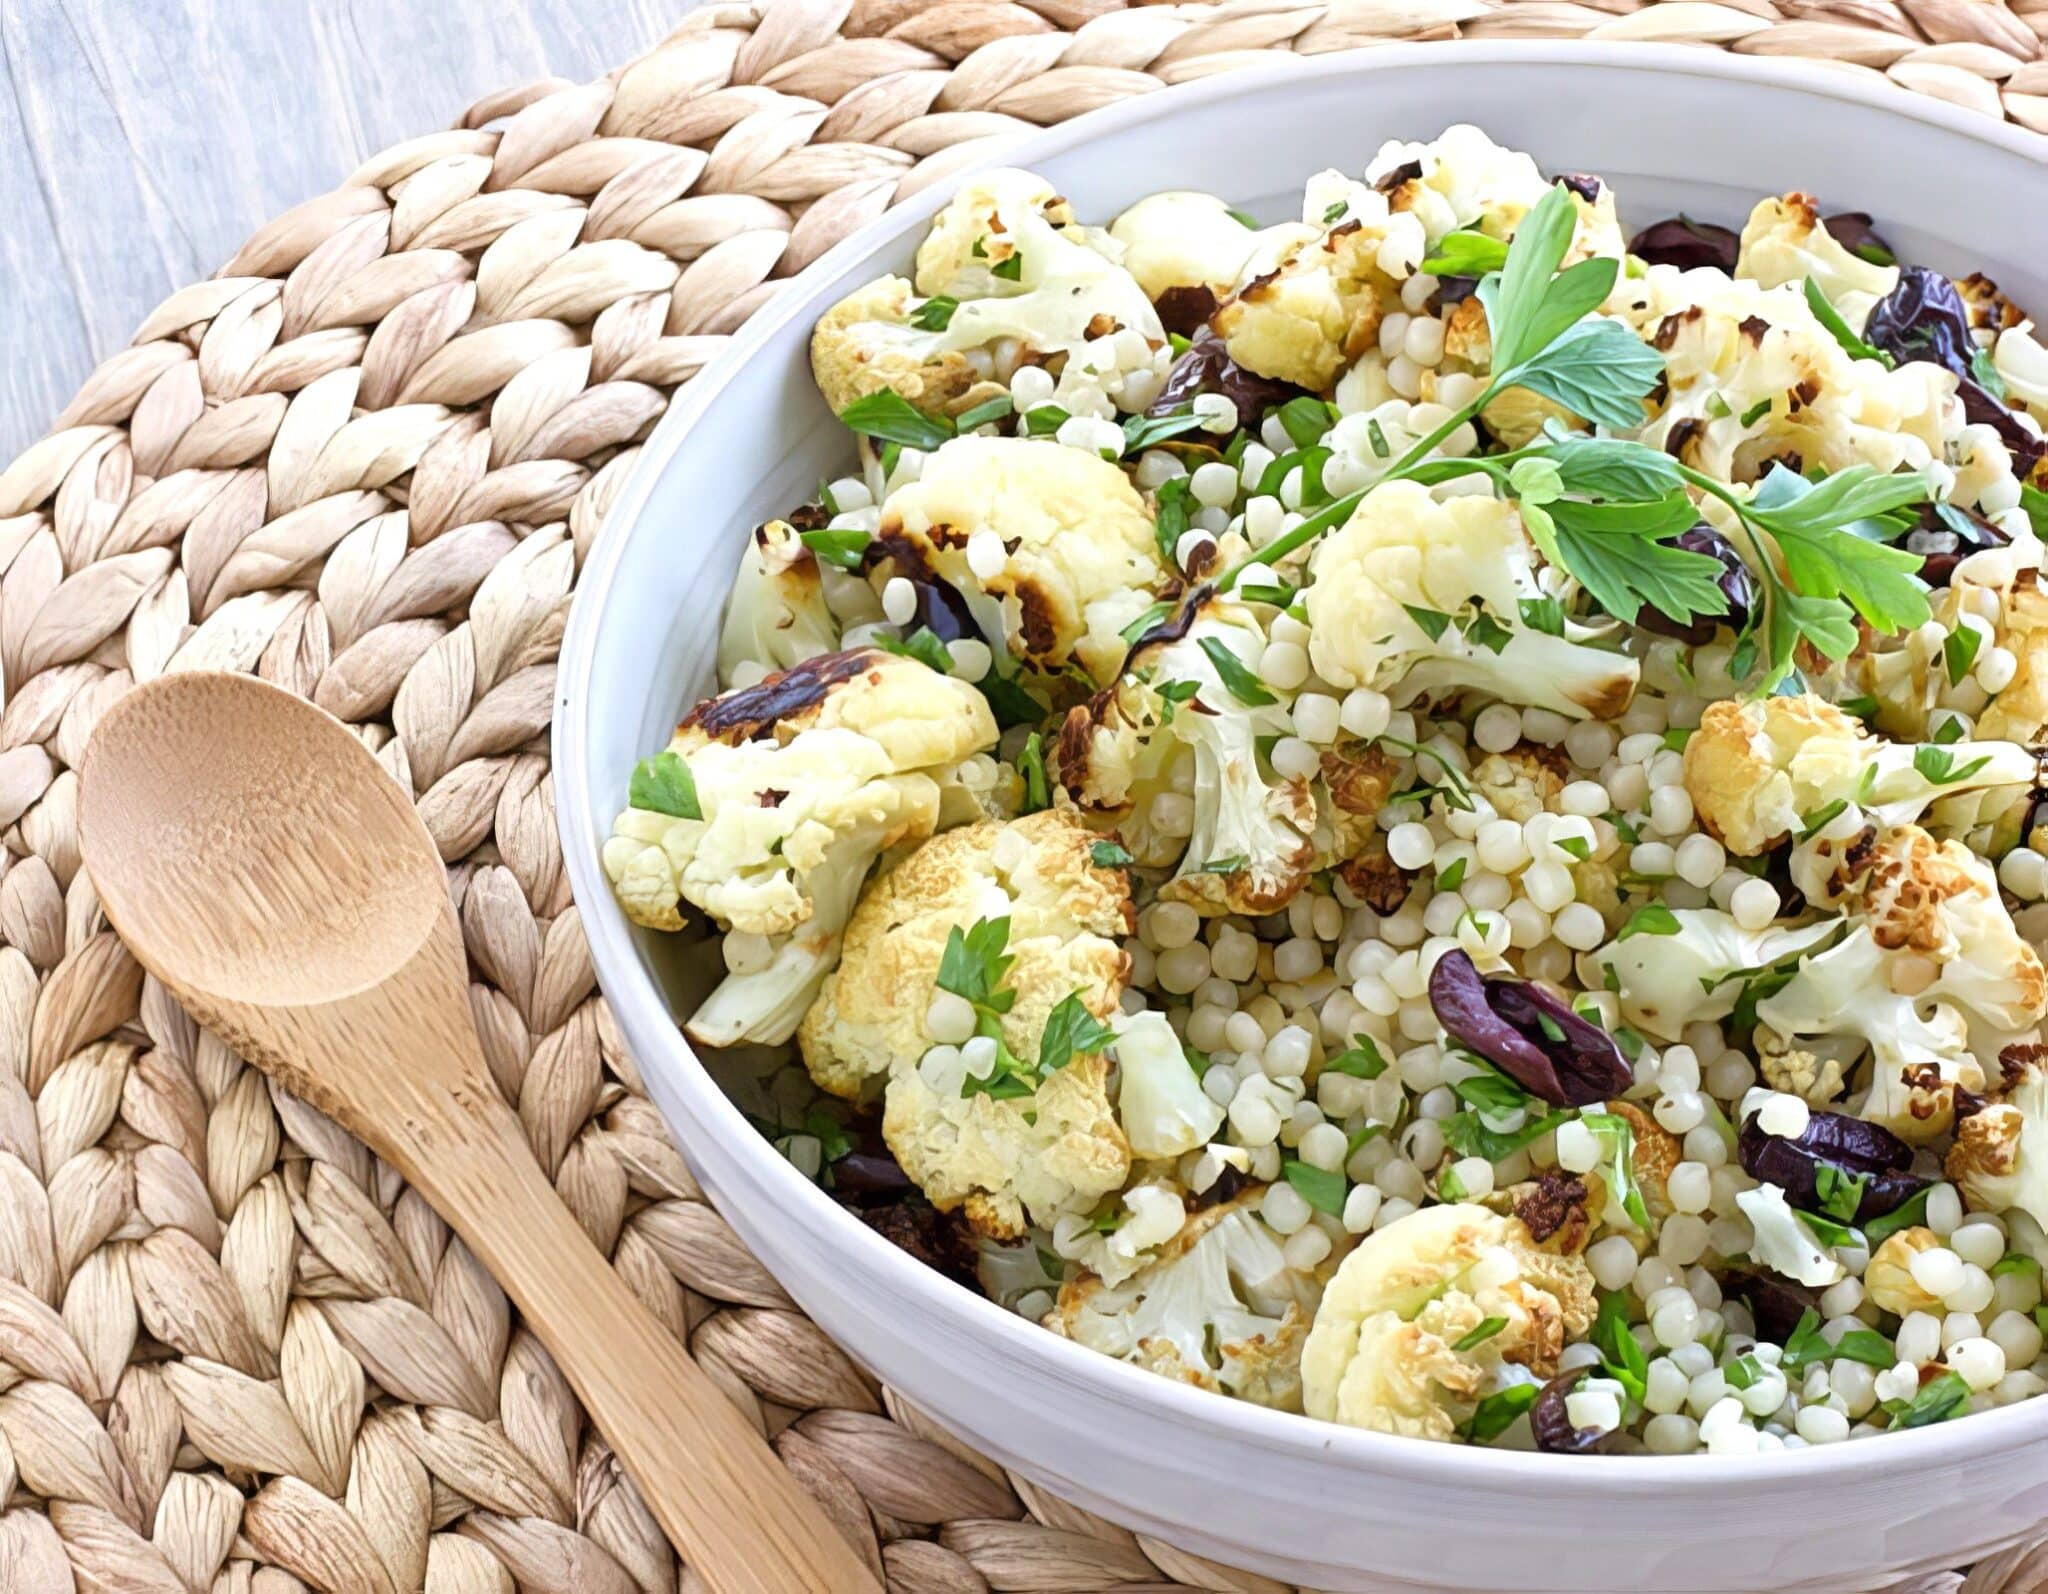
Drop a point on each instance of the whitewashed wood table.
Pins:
(142, 140)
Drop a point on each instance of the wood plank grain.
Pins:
(141, 142)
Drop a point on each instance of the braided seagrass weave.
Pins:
(236, 1353)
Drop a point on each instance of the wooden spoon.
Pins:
(260, 863)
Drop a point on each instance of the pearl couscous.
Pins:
(1423, 815)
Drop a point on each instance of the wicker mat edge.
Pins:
(237, 1355)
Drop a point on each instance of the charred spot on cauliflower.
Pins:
(771, 804)
(1999, 1162)
(1051, 548)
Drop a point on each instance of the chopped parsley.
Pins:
(1237, 680)
(844, 546)
(935, 314)
(1110, 855)
(1480, 1334)
(1959, 652)
(1319, 1187)
(1937, 765)
(889, 417)
(1362, 1059)
(663, 785)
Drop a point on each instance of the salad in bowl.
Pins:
(1424, 815)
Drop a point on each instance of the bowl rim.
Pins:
(1297, 1438)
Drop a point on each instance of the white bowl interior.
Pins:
(1671, 130)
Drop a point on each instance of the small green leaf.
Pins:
(923, 646)
(1363, 1059)
(1142, 431)
(1070, 1030)
(1466, 253)
(1819, 819)
(1839, 1190)
(1031, 765)
(1238, 681)
(1305, 419)
(1244, 219)
(1623, 1357)
(1496, 1413)
(1170, 519)
(892, 418)
(1937, 765)
(844, 546)
(1959, 652)
(662, 785)
(1987, 375)
(1543, 614)
(1756, 412)
(1434, 622)
(1010, 268)
(1485, 631)
(1450, 879)
(1319, 1187)
(1827, 315)
(1653, 918)
(1577, 846)
(1044, 419)
(1939, 1399)
(935, 314)
(994, 410)
(1110, 855)
(1480, 1334)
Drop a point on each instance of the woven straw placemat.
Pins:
(237, 1354)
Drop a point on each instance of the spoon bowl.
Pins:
(260, 863)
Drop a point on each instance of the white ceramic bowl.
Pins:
(1324, 1505)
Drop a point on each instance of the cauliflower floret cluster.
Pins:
(1249, 842)
(772, 803)
(1934, 950)
(1054, 1150)
(1383, 1353)
(1050, 548)
(777, 615)
(1003, 262)
(1416, 597)
(2000, 1158)
(1754, 377)
(1218, 1308)
(1759, 772)
(1194, 242)
(1785, 242)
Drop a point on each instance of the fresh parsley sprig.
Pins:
(1542, 341)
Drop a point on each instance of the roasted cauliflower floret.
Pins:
(1888, 1277)
(2000, 1157)
(1188, 240)
(1696, 974)
(1933, 949)
(1248, 844)
(1462, 178)
(2020, 711)
(1003, 269)
(1757, 770)
(1754, 377)
(1066, 537)
(1784, 241)
(777, 615)
(1159, 1096)
(771, 804)
(1218, 1308)
(870, 341)
(1382, 1355)
(1814, 1080)
(1784, 1244)
(1053, 1149)
(1404, 562)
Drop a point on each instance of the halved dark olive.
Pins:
(1531, 1036)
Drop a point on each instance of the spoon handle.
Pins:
(735, 1513)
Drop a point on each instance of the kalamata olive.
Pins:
(937, 1240)
(1586, 186)
(1853, 231)
(1945, 536)
(1736, 582)
(1686, 243)
(1924, 318)
(1208, 368)
(1776, 1303)
(1451, 292)
(1184, 310)
(1552, 1424)
(1853, 1147)
(1527, 1033)
(869, 1173)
